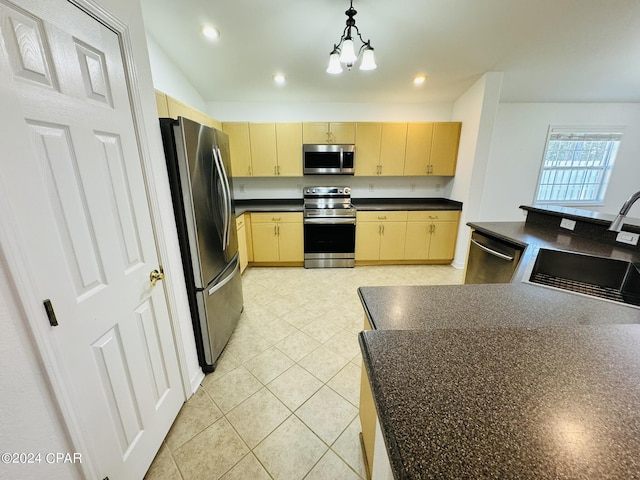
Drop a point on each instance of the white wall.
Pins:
(476, 109)
(518, 145)
(169, 79)
(361, 187)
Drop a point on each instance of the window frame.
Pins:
(604, 182)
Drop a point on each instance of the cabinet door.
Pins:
(367, 148)
(418, 153)
(342, 132)
(392, 240)
(161, 104)
(367, 240)
(418, 239)
(444, 148)
(242, 248)
(315, 132)
(291, 242)
(265, 242)
(392, 147)
(443, 240)
(263, 149)
(289, 148)
(239, 147)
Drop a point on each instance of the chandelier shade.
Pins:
(344, 52)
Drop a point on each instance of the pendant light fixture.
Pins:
(344, 51)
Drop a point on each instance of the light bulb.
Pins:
(348, 54)
(334, 63)
(368, 60)
(210, 32)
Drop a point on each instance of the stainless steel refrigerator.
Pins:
(199, 168)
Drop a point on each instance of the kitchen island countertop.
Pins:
(541, 403)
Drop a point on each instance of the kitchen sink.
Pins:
(601, 277)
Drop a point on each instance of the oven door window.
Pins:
(328, 238)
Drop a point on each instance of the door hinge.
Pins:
(50, 313)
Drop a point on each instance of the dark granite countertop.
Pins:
(479, 306)
(269, 205)
(542, 403)
(508, 380)
(364, 204)
(376, 204)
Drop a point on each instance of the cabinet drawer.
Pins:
(270, 217)
(383, 216)
(434, 216)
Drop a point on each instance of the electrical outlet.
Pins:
(412, 187)
(438, 187)
(568, 224)
(371, 187)
(628, 238)
(242, 187)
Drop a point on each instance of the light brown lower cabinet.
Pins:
(406, 236)
(277, 237)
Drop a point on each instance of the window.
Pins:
(577, 164)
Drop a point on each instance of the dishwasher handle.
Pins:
(492, 252)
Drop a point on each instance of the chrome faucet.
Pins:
(616, 225)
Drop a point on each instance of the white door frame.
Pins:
(13, 253)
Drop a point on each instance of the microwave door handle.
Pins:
(341, 158)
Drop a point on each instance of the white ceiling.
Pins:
(549, 50)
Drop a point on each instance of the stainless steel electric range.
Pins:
(329, 222)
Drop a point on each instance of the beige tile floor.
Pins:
(283, 401)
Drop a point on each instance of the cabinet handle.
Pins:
(433, 217)
(278, 167)
(276, 219)
(275, 170)
(382, 218)
(379, 229)
(382, 229)
(278, 229)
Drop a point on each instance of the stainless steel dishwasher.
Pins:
(491, 260)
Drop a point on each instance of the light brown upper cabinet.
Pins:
(380, 149)
(289, 149)
(368, 136)
(444, 148)
(432, 148)
(418, 151)
(239, 145)
(161, 104)
(333, 132)
(263, 149)
(392, 149)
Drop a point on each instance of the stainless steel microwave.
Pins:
(328, 159)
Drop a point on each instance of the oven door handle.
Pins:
(329, 221)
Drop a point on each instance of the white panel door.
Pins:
(76, 188)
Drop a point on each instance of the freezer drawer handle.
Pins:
(492, 252)
(217, 287)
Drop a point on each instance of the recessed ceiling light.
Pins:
(210, 32)
(280, 79)
(419, 79)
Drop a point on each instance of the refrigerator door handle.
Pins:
(227, 212)
(225, 178)
(218, 286)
